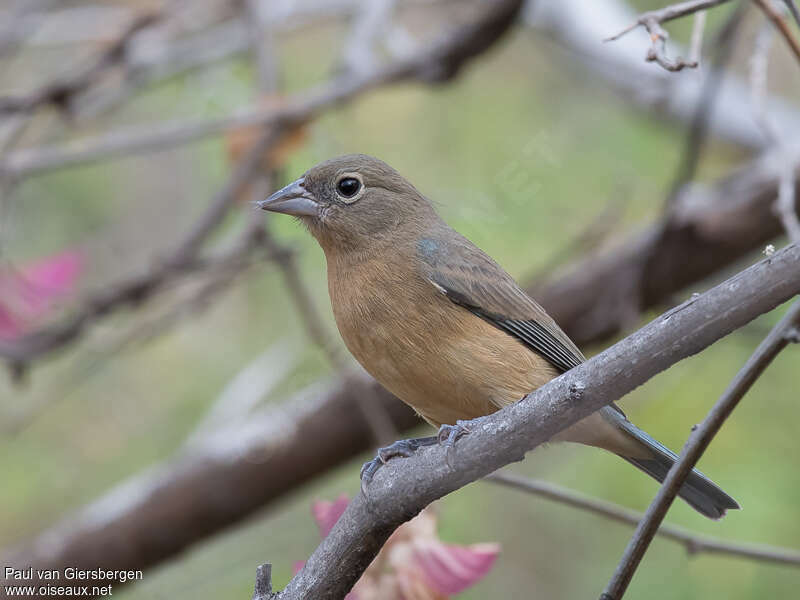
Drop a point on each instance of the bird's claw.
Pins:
(449, 434)
(404, 448)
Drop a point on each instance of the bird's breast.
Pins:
(438, 357)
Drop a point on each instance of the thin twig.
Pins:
(696, 41)
(652, 22)
(668, 13)
(780, 23)
(435, 63)
(60, 93)
(693, 543)
(701, 437)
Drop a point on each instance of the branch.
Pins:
(578, 25)
(696, 41)
(652, 21)
(135, 290)
(693, 543)
(701, 437)
(60, 93)
(439, 62)
(78, 541)
(404, 487)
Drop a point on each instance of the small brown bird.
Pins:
(439, 323)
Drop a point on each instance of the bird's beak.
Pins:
(294, 199)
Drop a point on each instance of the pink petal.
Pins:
(56, 274)
(451, 569)
(10, 326)
(327, 513)
(27, 294)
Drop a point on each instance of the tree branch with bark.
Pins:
(404, 487)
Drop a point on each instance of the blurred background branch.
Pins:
(692, 543)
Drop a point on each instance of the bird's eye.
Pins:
(348, 187)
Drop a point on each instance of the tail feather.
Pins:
(698, 491)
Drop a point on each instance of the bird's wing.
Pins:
(470, 278)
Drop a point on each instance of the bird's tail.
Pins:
(698, 491)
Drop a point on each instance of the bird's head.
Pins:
(352, 201)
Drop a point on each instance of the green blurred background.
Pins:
(521, 153)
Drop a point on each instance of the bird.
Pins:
(439, 323)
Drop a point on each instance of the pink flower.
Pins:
(28, 293)
(414, 564)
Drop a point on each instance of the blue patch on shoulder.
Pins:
(428, 248)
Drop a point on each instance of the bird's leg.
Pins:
(449, 434)
(404, 448)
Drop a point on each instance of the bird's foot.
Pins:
(404, 448)
(449, 434)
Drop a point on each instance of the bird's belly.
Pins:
(448, 364)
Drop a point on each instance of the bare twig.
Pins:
(217, 275)
(692, 542)
(701, 437)
(435, 63)
(696, 41)
(781, 25)
(60, 93)
(402, 488)
(134, 290)
(578, 24)
(652, 22)
(668, 13)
